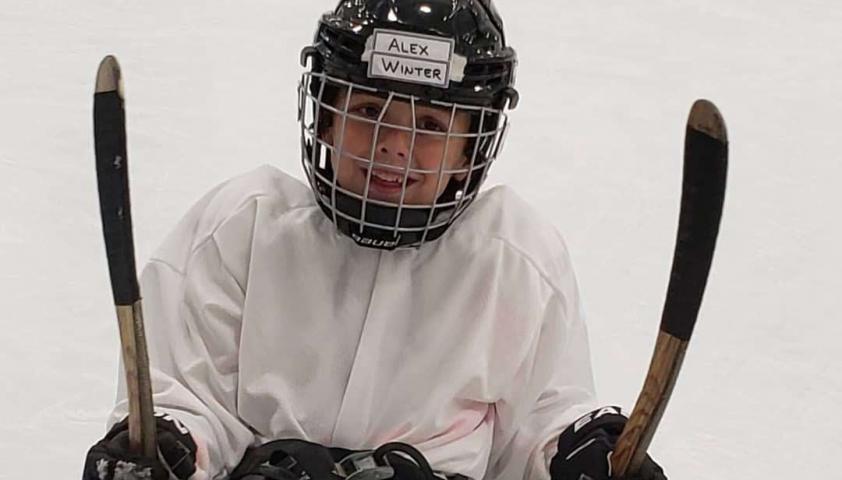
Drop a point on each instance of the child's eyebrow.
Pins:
(366, 97)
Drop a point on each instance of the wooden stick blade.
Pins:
(702, 197)
(113, 181)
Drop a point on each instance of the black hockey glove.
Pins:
(584, 449)
(110, 458)
(292, 459)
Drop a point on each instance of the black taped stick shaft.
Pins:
(702, 197)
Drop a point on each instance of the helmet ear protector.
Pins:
(401, 57)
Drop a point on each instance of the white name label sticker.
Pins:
(412, 58)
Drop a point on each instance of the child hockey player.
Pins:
(389, 321)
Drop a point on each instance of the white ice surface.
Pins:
(596, 145)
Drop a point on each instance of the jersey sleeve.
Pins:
(193, 296)
(553, 385)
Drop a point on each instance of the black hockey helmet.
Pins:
(449, 54)
(474, 25)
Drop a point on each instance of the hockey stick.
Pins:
(702, 196)
(115, 209)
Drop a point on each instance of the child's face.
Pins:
(391, 149)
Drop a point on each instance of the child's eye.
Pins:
(368, 111)
(432, 125)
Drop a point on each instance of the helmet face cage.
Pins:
(324, 103)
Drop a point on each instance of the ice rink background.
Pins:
(596, 146)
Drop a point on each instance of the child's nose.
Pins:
(394, 144)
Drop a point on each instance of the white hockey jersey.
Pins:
(264, 323)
